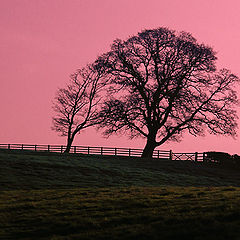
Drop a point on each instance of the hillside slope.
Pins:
(70, 197)
(30, 170)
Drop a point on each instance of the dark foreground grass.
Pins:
(65, 197)
(121, 213)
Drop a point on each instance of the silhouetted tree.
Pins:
(164, 83)
(76, 104)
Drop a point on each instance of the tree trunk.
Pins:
(149, 148)
(69, 144)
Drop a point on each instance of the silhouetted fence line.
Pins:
(111, 151)
(132, 152)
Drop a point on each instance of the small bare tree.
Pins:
(76, 104)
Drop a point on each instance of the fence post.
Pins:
(48, 148)
(158, 154)
(74, 149)
(129, 152)
(22, 146)
(35, 148)
(61, 149)
(115, 152)
(88, 150)
(9, 147)
(204, 156)
(101, 150)
(196, 156)
(170, 155)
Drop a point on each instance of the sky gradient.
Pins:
(42, 42)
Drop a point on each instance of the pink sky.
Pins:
(42, 42)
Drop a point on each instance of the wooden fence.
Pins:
(131, 152)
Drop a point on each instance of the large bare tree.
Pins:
(164, 83)
(77, 104)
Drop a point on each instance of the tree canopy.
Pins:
(162, 83)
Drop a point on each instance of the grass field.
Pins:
(53, 196)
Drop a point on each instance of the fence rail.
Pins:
(131, 152)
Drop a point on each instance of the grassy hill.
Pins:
(30, 170)
(54, 196)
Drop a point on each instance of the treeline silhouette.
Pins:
(157, 85)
